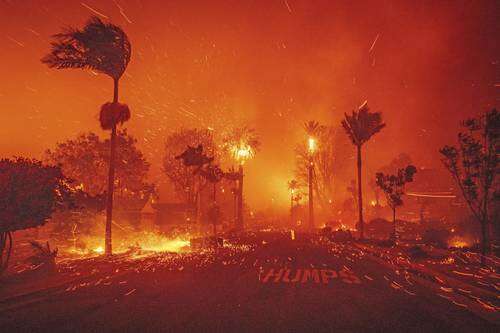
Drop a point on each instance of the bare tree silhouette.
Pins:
(474, 167)
(360, 127)
(103, 47)
(394, 189)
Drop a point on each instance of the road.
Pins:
(279, 285)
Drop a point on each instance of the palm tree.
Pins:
(312, 129)
(105, 48)
(360, 127)
(242, 143)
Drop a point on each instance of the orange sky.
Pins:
(271, 64)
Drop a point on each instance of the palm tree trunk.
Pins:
(311, 199)
(360, 198)
(111, 178)
(240, 199)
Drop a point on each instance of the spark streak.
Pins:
(374, 42)
(288, 6)
(122, 12)
(15, 41)
(431, 195)
(93, 10)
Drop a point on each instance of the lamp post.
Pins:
(311, 149)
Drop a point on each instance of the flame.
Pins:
(458, 242)
(163, 245)
(242, 152)
(143, 241)
(344, 227)
(312, 144)
(99, 250)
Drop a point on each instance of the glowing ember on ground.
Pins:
(144, 241)
(99, 250)
(165, 245)
(458, 242)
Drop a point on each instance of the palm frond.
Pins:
(312, 127)
(361, 125)
(99, 46)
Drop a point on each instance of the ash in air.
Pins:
(254, 166)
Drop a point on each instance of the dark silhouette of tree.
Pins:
(31, 192)
(103, 47)
(213, 174)
(474, 167)
(85, 160)
(333, 161)
(311, 128)
(399, 162)
(393, 187)
(360, 126)
(241, 144)
(187, 184)
(324, 160)
(194, 156)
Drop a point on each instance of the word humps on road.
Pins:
(324, 276)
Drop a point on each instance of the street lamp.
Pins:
(311, 149)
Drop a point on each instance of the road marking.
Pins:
(307, 275)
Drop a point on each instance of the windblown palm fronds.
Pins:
(361, 125)
(99, 46)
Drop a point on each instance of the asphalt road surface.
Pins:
(279, 285)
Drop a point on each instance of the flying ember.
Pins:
(249, 166)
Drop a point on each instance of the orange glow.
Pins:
(200, 70)
(458, 242)
(99, 250)
(143, 241)
(242, 153)
(311, 145)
